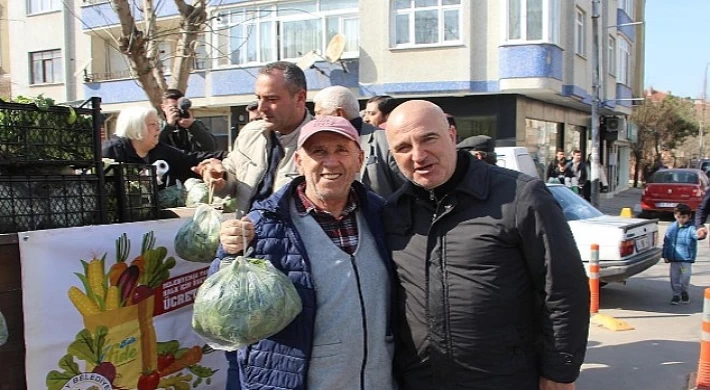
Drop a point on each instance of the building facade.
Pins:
(520, 71)
(5, 80)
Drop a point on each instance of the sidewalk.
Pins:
(630, 198)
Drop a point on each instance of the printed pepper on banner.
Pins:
(119, 344)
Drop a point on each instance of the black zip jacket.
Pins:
(492, 292)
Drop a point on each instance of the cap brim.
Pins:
(332, 130)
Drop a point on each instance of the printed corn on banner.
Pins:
(110, 307)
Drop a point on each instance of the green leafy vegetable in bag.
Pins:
(197, 192)
(198, 238)
(3, 330)
(172, 196)
(246, 301)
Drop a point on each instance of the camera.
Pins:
(183, 105)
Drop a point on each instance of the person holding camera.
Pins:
(181, 129)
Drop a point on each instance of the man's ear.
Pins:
(297, 157)
(301, 96)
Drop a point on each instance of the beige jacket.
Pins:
(247, 163)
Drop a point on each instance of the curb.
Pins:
(691, 380)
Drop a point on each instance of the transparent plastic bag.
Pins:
(173, 196)
(247, 300)
(198, 193)
(3, 330)
(198, 238)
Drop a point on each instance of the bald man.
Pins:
(485, 299)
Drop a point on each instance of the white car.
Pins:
(627, 246)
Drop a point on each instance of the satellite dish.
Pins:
(307, 61)
(335, 48)
(334, 51)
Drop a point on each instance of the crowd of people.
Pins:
(420, 264)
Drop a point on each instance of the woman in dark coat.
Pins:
(137, 140)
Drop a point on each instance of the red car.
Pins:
(668, 187)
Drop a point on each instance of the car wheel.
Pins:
(645, 214)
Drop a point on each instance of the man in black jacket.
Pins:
(492, 293)
(180, 129)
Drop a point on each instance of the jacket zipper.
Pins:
(364, 323)
(442, 264)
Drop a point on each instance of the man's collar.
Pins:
(305, 206)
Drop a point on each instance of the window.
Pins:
(611, 53)
(627, 6)
(579, 33)
(46, 67)
(623, 73)
(219, 126)
(117, 65)
(533, 20)
(166, 54)
(426, 22)
(200, 60)
(286, 31)
(38, 6)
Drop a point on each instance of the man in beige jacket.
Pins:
(261, 161)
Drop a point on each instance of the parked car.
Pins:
(627, 246)
(668, 187)
(518, 159)
(704, 165)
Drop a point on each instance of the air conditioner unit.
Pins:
(615, 123)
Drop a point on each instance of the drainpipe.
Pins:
(69, 51)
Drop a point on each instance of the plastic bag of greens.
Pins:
(198, 238)
(3, 330)
(173, 196)
(226, 204)
(198, 193)
(247, 300)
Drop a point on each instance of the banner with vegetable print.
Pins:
(110, 307)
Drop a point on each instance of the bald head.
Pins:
(422, 143)
(415, 111)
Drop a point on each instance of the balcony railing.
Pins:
(105, 76)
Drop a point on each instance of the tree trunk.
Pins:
(194, 17)
(133, 44)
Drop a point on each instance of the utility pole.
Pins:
(595, 104)
(702, 115)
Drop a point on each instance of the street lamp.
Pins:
(596, 101)
(702, 115)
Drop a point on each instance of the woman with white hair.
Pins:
(137, 140)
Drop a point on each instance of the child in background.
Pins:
(680, 246)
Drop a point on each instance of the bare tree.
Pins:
(141, 46)
(662, 125)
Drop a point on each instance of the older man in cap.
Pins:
(482, 147)
(324, 231)
(380, 172)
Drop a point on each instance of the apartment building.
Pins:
(5, 80)
(520, 71)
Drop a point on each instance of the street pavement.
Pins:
(663, 350)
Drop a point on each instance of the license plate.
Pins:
(642, 243)
(669, 205)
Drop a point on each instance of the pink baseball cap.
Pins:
(335, 124)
